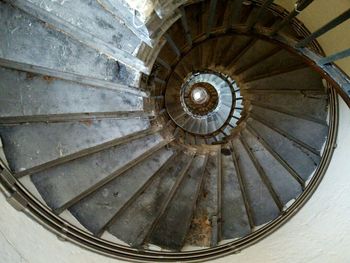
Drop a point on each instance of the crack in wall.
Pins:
(22, 258)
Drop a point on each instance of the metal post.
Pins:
(339, 55)
(300, 5)
(330, 25)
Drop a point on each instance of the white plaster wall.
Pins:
(319, 232)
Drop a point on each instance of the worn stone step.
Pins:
(61, 184)
(89, 23)
(133, 225)
(285, 186)
(28, 40)
(263, 206)
(33, 95)
(172, 228)
(301, 160)
(309, 132)
(303, 104)
(30, 145)
(203, 230)
(96, 210)
(235, 221)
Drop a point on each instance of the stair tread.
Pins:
(262, 204)
(95, 211)
(91, 17)
(258, 50)
(58, 51)
(225, 45)
(122, 11)
(286, 187)
(193, 14)
(311, 133)
(133, 224)
(201, 229)
(302, 103)
(176, 32)
(29, 145)
(169, 233)
(235, 221)
(280, 60)
(299, 79)
(301, 160)
(62, 183)
(32, 94)
(51, 74)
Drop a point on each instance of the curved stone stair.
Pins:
(114, 148)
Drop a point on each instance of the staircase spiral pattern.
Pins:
(185, 138)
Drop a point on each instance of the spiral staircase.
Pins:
(185, 135)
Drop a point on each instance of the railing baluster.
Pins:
(339, 55)
(300, 5)
(330, 25)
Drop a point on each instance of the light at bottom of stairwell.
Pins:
(200, 95)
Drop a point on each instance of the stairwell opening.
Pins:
(193, 148)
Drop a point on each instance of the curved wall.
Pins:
(319, 232)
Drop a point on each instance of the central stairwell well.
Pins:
(179, 138)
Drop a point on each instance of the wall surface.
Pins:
(319, 232)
